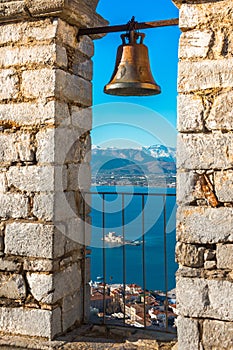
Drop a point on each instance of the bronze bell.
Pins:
(132, 74)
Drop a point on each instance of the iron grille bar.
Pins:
(165, 257)
(126, 27)
(124, 256)
(134, 194)
(143, 260)
(84, 257)
(104, 259)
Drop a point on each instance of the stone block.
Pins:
(39, 265)
(44, 87)
(190, 113)
(203, 225)
(33, 240)
(85, 45)
(3, 182)
(43, 206)
(45, 152)
(73, 88)
(13, 205)
(9, 84)
(27, 113)
(21, 32)
(79, 177)
(188, 188)
(84, 69)
(73, 316)
(53, 287)
(67, 34)
(65, 206)
(44, 54)
(220, 116)
(205, 151)
(223, 181)
(189, 255)
(193, 15)
(81, 118)
(217, 335)
(12, 287)
(199, 297)
(188, 333)
(10, 265)
(15, 147)
(195, 44)
(30, 322)
(203, 75)
(31, 178)
(224, 256)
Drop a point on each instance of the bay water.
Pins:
(140, 217)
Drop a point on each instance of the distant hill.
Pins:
(156, 159)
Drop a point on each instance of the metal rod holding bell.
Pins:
(132, 73)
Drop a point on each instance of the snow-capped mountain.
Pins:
(151, 160)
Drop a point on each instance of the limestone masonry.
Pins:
(45, 92)
(205, 176)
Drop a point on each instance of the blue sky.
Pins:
(137, 121)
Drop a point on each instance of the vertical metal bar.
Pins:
(84, 258)
(104, 258)
(165, 257)
(124, 255)
(143, 259)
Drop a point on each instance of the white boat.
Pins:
(113, 238)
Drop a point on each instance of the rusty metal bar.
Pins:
(125, 27)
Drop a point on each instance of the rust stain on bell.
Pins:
(132, 74)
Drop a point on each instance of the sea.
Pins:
(150, 264)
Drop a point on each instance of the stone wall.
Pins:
(45, 92)
(205, 175)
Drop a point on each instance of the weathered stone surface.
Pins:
(74, 314)
(39, 265)
(224, 256)
(37, 178)
(190, 113)
(3, 182)
(28, 113)
(84, 69)
(35, 323)
(81, 118)
(14, 147)
(51, 288)
(217, 335)
(189, 255)
(20, 32)
(12, 287)
(198, 297)
(45, 86)
(67, 34)
(194, 15)
(223, 181)
(220, 117)
(188, 188)
(43, 206)
(45, 141)
(188, 333)
(203, 225)
(13, 205)
(210, 265)
(205, 151)
(9, 84)
(44, 54)
(34, 240)
(195, 44)
(10, 265)
(73, 88)
(86, 46)
(194, 76)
